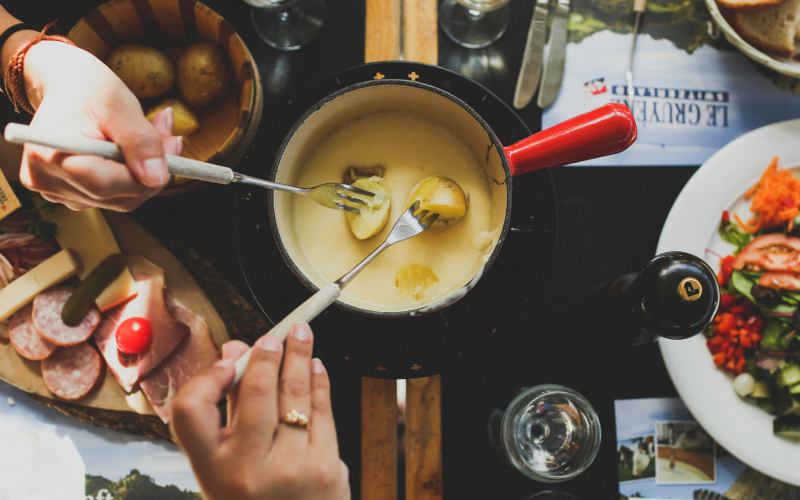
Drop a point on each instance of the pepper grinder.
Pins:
(675, 296)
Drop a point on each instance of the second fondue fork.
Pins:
(330, 195)
(409, 224)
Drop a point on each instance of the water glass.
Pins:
(550, 433)
(474, 23)
(287, 24)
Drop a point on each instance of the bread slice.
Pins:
(748, 5)
(772, 29)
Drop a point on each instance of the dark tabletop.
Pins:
(610, 219)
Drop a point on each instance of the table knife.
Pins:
(531, 69)
(553, 72)
(638, 8)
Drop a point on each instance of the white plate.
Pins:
(781, 64)
(691, 226)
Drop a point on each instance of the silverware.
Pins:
(553, 71)
(529, 73)
(330, 195)
(408, 225)
(638, 8)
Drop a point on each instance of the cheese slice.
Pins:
(22, 290)
(87, 233)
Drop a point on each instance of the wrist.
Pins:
(49, 64)
(13, 43)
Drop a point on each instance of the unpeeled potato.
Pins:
(145, 70)
(202, 74)
(439, 195)
(374, 216)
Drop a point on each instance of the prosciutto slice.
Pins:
(195, 352)
(150, 304)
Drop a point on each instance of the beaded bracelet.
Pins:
(14, 77)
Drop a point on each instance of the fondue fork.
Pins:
(330, 195)
(408, 225)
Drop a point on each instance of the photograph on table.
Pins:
(685, 454)
(49, 455)
(636, 458)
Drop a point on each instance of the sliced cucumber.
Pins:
(795, 389)
(82, 299)
(789, 375)
(793, 409)
(761, 390)
(787, 426)
(766, 405)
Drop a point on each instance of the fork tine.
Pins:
(347, 208)
(355, 190)
(430, 220)
(350, 199)
(421, 215)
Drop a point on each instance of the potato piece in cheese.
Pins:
(22, 290)
(87, 233)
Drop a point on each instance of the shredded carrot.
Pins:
(776, 197)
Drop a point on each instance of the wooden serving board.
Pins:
(110, 405)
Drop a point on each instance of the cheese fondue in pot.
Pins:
(410, 148)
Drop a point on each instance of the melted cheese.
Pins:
(411, 149)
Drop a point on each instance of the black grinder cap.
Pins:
(676, 295)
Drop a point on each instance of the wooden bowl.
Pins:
(228, 125)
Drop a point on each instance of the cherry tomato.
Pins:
(134, 335)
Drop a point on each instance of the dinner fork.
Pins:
(330, 195)
(408, 225)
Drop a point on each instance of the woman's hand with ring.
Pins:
(265, 450)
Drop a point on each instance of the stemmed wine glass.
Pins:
(549, 432)
(287, 24)
(474, 23)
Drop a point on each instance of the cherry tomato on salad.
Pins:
(134, 335)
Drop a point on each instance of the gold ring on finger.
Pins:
(296, 419)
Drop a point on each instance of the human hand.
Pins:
(255, 457)
(75, 92)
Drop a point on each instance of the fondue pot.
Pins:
(607, 130)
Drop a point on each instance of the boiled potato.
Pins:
(439, 195)
(145, 70)
(186, 120)
(374, 216)
(413, 280)
(202, 74)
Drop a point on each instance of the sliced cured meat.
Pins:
(24, 337)
(47, 308)
(73, 372)
(148, 304)
(771, 252)
(195, 352)
(776, 279)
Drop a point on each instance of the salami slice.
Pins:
(24, 337)
(47, 308)
(73, 372)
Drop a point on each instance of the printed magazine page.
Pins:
(664, 453)
(50, 456)
(694, 91)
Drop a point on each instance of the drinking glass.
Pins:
(287, 24)
(551, 495)
(474, 23)
(549, 432)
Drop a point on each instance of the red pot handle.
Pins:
(604, 131)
